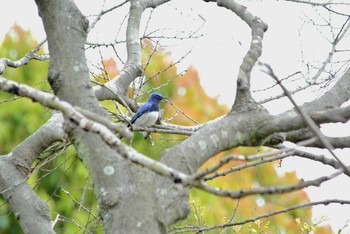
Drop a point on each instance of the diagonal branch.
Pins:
(132, 68)
(67, 109)
(14, 171)
(308, 120)
(258, 27)
(28, 151)
(332, 99)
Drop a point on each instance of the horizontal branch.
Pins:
(267, 190)
(246, 165)
(5, 62)
(305, 133)
(169, 129)
(334, 115)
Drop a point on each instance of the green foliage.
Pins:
(304, 226)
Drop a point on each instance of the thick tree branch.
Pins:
(258, 27)
(133, 67)
(32, 213)
(334, 115)
(305, 133)
(118, 183)
(218, 136)
(309, 122)
(30, 210)
(28, 151)
(291, 120)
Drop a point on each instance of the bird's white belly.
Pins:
(147, 119)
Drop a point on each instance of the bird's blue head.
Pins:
(156, 98)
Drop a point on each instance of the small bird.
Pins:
(148, 114)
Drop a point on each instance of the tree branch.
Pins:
(268, 190)
(303, 134)
(30, 210)
(132, 68)
(310, 123)
(267, 215)
(67, 109)
(118, 183)
(258, 27)
(4, 62)
(132, 155)
(291, 120)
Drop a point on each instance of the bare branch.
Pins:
(267, 215)
(307, 119)
(260, 158)
(102, 13)
(336, 142)
(162, 129)
(4, 62)
(314, 80)
(14, 172)
(132, 68)
(334, 115)
(267, 190)
(67, 109)
(258, 27)
(319, 158)
(26, 205)
(325, 5)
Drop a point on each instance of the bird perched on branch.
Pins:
(148, 114)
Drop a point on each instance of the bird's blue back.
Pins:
(152, 105)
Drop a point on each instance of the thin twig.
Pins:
(267, 215)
